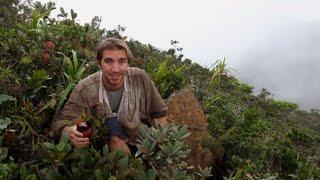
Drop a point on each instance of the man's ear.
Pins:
(98, 63)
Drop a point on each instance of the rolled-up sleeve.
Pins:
(73, 109)
(157, 107)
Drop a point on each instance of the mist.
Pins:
(272, 44)
(287, 63)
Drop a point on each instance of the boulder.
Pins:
(184, 109)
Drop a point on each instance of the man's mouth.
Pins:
(115, 77)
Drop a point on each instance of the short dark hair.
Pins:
(112, 44)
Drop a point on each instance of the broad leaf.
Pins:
(4, 123)
(4, 98)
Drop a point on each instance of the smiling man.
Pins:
(124, 96)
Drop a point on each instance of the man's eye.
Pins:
(123, 61)
(108, 61)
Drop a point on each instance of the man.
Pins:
(124, 94)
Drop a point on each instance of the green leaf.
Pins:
(49, 104)
(139, 175)
(4, 123)
(26, 60)
(100, 163)
(49, 145)
(3, 153)
(98, 174)
(4, 98)
(177, 147)
(73, 14)
(249, 176)
(204, 173)
(185, 135)
(62, 11)
(123, 163)
(35, 19)
(151, 174)
(80, 72)
(120, 153)
(37, 79)
(64, 139)
(61, 146)
(112, 178)
(123, 174)
(53, 175)
(71, 156)
(31, 177)
(63, 97)
(23, 171)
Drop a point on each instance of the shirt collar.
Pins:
(103, 98)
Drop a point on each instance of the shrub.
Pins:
(288, 160)
(300, 137)
(161, 154)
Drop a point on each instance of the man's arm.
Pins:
(73, 109)
(156, 107)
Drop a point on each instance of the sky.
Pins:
(271, 44)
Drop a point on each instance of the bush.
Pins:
(160, 155)
(288, 160)
(301, 137)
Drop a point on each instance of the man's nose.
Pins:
(116, 67)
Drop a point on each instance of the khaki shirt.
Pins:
(140, 101)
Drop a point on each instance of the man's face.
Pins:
(114, 65)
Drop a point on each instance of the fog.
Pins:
(272, 44)
(287, 63)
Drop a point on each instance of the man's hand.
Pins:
(76, 138)
(116, 144)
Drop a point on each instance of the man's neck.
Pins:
(109, 87)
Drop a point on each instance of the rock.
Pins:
(184, 109)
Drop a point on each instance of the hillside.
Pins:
(42, 58)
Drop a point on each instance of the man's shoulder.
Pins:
(137, 72)
(90, 81)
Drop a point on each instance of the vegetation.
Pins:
(41, 60)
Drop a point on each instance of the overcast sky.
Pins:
(271, 43)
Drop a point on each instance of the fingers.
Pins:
(84, 124)
(76, 134)
(80, 144)
(79, 141)
(76, 137)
